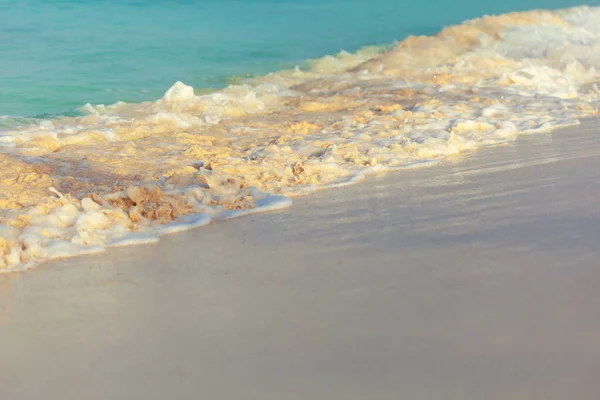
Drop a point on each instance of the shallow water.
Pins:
(128, 172)
(56, 56)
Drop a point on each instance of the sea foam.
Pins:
(127, 173)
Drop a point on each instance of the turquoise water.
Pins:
(58, 55)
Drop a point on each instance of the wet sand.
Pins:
(474, 279)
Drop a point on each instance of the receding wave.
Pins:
(126, 173)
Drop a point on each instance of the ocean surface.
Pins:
(57, 55)
(121, 121)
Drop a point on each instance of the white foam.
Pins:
(270, 203)
(183, 223)
(132, 238)
(131, 172)
(179, 92)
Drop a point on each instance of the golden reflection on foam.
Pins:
(428, 98)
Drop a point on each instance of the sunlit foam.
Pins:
(125, 174)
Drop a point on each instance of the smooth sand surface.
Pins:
(475, 279)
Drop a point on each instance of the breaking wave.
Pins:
(122, 174)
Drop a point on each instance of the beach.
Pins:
(297, 200)
(127, 173)
(475, 278)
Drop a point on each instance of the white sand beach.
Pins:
(474, 279)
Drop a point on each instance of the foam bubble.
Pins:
(125, 174)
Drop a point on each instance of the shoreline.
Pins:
(470, 279)
(127, 173)
(271, 203)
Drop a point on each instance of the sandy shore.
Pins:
(476, 279)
